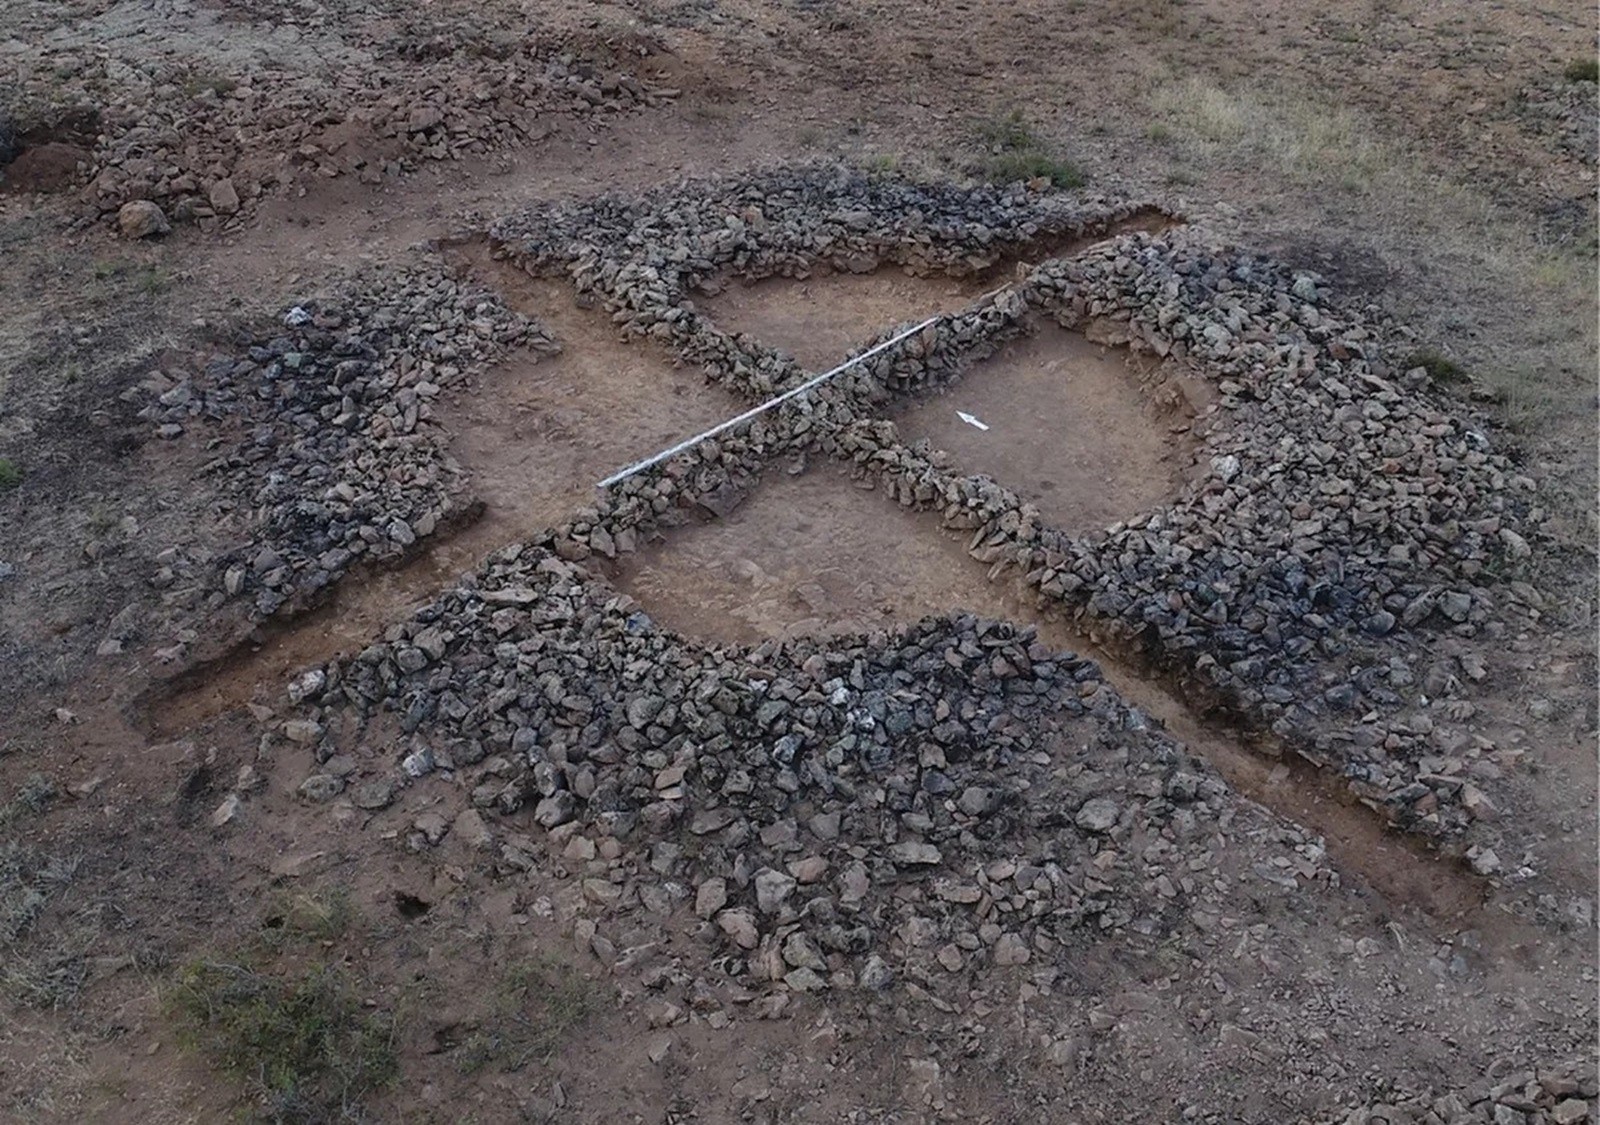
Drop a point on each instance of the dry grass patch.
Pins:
(537, 1005)
(1500, 281)
(286, 1018)
(1298, 138)
(43, 968)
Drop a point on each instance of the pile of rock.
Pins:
(205, 139)
(1345, 510)
(1347, 507)
(1560, 1094)
(343, 463)
(932, 802)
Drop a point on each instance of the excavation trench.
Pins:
(534, 434)
(820, 554)
(813, 552)
(820, 319)
(1090, 434)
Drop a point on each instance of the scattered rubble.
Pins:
(206, 132)
(343, 464)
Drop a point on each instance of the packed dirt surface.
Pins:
(824, 321)
(1089, 436)
(1162, 688)
(811, 554)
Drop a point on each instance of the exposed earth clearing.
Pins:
(1160, 688)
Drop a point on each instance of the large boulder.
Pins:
(142, 219)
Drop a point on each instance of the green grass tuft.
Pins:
(1011, 132)
(883, 164)
(1582, 70)
(538, 1003)
(1441, 368)
(1018, 152)
(10, 474)
(1008, 167)
(302, 1042)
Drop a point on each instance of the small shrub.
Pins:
(27, 880)
(199, 81)
(43, 967)
(317, 916)
(1017, 152)
(10, 474)
(1009, 166)
(1583, 70)
(1440, 368)
(53, 977)
(302, 1043)
(32, 797)
(1011, 132)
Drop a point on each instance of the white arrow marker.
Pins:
(970, 420)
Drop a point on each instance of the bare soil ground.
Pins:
(1087, 435)
(189, 934)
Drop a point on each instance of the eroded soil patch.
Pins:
(821, 320)
(1090, 434)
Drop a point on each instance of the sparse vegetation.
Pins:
(1441, 368)
(1582, 70)
(1017, 152)
(10, 474)
(27, 880)
(32, 797)
(200, 82)
(52, 974)
(537, 1005)
(150, 280)
(301, 1041)
(315, 916)
(298, 1035)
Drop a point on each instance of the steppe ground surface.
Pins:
(235, 889)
